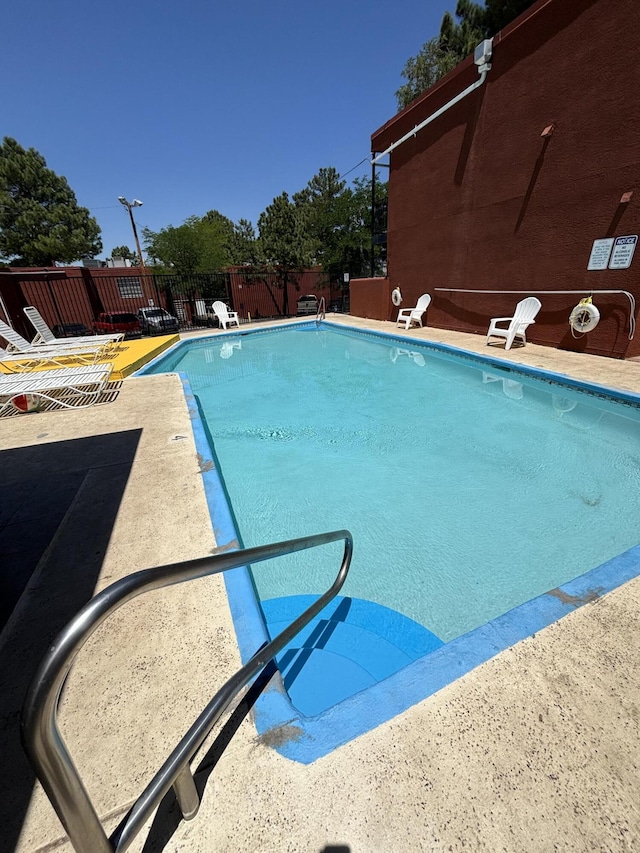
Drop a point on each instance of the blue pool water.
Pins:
(468, 489)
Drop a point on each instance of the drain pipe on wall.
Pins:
(481, 57)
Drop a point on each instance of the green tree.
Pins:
(286, 245)
(216, 233)
(455, 42)
(126, 253)
(174, 247)
(200, 243)
(423, 70)
(495, 15)
(357, 257)
(40, 219)
(244, 247)
(338, 221)
(323, 207)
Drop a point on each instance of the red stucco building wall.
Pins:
(479, 199)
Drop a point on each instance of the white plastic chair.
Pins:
(414, 315)
(45, 336)
(224, 315)
(70, 387)
(524, 315)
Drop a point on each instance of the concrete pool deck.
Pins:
(537, 749)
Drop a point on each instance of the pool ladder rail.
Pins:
(321, 311)
(40, 733)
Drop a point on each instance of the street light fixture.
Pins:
(129, 205)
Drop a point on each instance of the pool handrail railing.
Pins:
(40, 733)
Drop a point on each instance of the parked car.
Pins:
(308, 304)
(71, 330)
(157, 321)
(106, 324)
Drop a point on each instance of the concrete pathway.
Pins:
(536, 750)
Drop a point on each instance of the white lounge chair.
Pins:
(524, 315)
(57, 353)
(44, 335)
(224, 315)
(43, 357)
(71, 387)
(413, 315)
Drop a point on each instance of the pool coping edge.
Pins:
(306, 739)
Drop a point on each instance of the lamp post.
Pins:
(129, 205)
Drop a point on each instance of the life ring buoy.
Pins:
(584, 317)
(396, 296)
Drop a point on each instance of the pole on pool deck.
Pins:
(373, 227)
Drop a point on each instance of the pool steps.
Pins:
(350, 646)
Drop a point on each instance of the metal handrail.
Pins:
(321, 311)
(44, 743)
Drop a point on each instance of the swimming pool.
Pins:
(470, 490)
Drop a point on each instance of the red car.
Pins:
(106, 324)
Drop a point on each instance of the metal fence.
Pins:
(86, 293)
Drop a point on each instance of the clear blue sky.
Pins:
(192, 106)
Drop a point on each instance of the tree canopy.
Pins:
(286, 245)
(323, 210)
(326, 224)
(200, 243)
(423, 70)
(40, 219)
(455, 42)
(337, 220)
(126, 253)
(244, 247)
(284, 238)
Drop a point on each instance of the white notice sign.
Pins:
(623, 250)
(600, 252)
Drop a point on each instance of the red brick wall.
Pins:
(478, 199)
(371, 298)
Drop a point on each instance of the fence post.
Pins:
(92, 294)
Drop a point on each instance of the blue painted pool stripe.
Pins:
(309, 738)
(247, 617)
